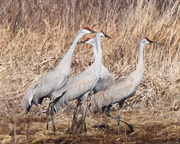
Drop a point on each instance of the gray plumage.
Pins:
(55, 79)
(120, 90)
(105, 77)
(81, 85)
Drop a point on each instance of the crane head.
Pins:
(88, 30)
(103, 34)
(146, 40)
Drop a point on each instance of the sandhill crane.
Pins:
(121, 89)
(105, 77)
(54, 79)
(81, 85)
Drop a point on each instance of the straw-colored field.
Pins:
(34, 37)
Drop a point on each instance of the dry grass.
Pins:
(35, 36)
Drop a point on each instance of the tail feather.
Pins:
(27, 99)
(94, 106)
(57, 102)
(99, 101)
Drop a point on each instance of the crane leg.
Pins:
(129, 125)
(118, 119)
(47, 116)
(50, 110)
(106, 126)
(98, 120)
(103, 110)
(85, 110)
(85, 128)
(75, 111)
(79, 123)
(52, 116)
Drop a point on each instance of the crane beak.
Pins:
(92, 31)
(154, 42)
(107, 36)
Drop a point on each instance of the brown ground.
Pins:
(35, 36)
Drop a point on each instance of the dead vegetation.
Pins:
(35, 35)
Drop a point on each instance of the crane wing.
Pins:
(44, 87)
(114, 93)
(81, 84)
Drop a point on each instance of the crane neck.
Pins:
(139, 68)
(94, 48)
(68, 56)
(98, 57)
